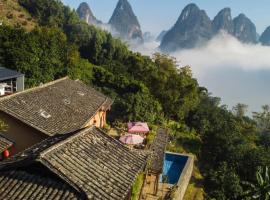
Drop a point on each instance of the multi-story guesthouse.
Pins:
(59, 107)
(58, 150)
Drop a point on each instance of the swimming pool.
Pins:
(173, 167)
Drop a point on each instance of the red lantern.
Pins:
(6, 154)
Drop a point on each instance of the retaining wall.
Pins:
(184, 178)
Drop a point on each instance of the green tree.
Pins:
(224, 183)
(42, 55)
(3, 126)
(175, 87)
(261, 189)
(264, 140)
(263, 119)
(50, 12)
(133, 100)
(240, 110)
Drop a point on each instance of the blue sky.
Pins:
(158, 15)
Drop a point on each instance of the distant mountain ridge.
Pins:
(223, 21)
(125, 22)
(244, 29)
(85, 13)
(161, 35)
(265, 37)
(194, 28)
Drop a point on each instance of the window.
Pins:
(44, 114)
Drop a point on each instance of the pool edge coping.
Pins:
(185, 176)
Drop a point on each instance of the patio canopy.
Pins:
(131, 139)
(138, 127)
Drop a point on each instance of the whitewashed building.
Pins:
(10, 81)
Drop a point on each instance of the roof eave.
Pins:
(11, 77)
(26, 122)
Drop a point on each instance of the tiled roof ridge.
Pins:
(63, 177)
(91, 88)
(24, 156)
(41, 153)
(35, 88)
(21, 185)
(2, 136)
(82, 133)
(79, 133)
(118, 142)
(98, 92)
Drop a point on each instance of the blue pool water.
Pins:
(173, 167)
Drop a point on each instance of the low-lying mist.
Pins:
(236, 72)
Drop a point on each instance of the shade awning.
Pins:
(138, 127)
(132, 139)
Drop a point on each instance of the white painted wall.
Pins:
(2, 89)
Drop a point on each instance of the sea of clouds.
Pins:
(236, 72)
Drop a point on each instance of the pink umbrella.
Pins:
(131, 139)
(138, 127)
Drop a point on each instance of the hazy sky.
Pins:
(157, 15)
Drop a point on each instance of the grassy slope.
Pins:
(11, 13)
(137, 186)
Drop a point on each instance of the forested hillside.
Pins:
(230, 147)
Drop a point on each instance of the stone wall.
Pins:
(184, 178)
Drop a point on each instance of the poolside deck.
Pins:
(148, 192)
(175, 169)
(153, 189)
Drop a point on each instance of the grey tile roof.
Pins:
(158, 148)
(90, 161)
(58, 107)
(4, 144)
(20, 185)
(8, 74)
